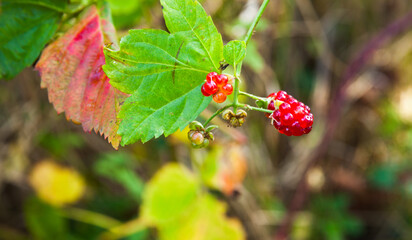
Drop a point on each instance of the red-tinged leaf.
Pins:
(71, 70)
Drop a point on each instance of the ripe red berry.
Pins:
(204, 91)
(221, 80)
(271, 106)
(211, 76)
(281, 96)
(219, 97)
(209, 87)
(292, 117)
(227, 89)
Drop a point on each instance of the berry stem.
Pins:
(248, 107)
(256, 20)
(251, 96)
(236, 93)
(217, 113)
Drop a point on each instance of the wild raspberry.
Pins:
(221, 80)
(218, 86)
(211, 76)
(209, 88)
(227, 89)
(219, 97)
(291, 117)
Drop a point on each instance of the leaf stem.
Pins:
(256, 20)
(217, 113)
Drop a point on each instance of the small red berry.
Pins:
(219, 97)
(285, 107)
(204, 92)
(281, 96)
(209, 88)
(307, 120)
(211, 76)
(287, 119)
(221, 80)
(271, 106)
(292, 101)
(276, 115)
(272, 96)
(227, 89)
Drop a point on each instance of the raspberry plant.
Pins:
(172, 76)
(154, 83)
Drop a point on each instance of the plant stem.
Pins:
(236, 93)
(126, 229)
(90, 217)
(251, 96)
(256, 20)
(217, 113)
(248, 107)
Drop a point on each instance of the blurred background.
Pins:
(350, 178)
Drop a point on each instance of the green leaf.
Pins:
(25, 28)
(207, 221)
(164, 72)
(188, 16)
(169, 194)
(234, 52)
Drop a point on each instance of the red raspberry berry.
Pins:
(307, 120)
(227, 89)
(219, 97)
(281, 96)
(221, 80)
(209, 88)
(285, 107)
(204, 92)
(211, 76)
(271, 106)
(272, 96)
(292, 117)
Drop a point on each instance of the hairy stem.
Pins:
(256, 21)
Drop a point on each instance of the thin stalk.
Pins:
(217, 113)
(256, 21)
(248, 107)
(236, 94)
(90, 217)
(251, 96)
(126, 229)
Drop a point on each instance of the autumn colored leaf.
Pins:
(71, 70)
